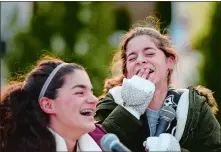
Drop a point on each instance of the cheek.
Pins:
(71, 110)
(76, 103)
(163, 70)
(67, 103)
(130, 68)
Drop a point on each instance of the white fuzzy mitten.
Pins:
(134, 95)
(137, 93)
(165, 142)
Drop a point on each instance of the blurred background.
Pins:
(89, 32)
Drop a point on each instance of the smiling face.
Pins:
(75, 105)
(143, 58)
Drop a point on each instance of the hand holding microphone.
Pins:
(163, 141)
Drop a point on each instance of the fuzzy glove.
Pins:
(165, 142)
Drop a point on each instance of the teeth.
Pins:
(86, 112)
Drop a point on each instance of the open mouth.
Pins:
(87, 112)
(151, 71)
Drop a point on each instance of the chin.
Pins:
(90, 127)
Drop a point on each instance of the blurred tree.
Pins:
(164, 13)
(2, 49)
(122, 19)
(211, 47)
(74, 31)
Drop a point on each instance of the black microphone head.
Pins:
(167, 113)
(108, 140)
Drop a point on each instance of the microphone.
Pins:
(111, 143)
(167, 114)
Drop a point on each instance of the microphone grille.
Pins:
(108, 140)
(167, 113)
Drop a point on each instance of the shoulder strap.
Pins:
(178, 99)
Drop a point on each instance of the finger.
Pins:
(140, 73)
(150, 77)
(146, 73)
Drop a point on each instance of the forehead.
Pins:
(77, 77)
(139, 42)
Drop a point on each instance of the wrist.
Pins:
(133, 112)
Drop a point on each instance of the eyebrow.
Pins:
(148, 48)
(81, 86)
(144, 49)
(132, 53)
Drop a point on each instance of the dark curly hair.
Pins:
(23, 125)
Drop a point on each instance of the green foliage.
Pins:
(74, 31)
(163, 12)
(211, 46)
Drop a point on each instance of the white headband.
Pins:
(47, 82)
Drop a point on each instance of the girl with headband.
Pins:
(52, 110)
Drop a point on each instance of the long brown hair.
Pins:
(119, 60)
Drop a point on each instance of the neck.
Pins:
(70, 144)
(158, 97)
(70, 135)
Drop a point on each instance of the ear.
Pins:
(47, 105)
(170, 62)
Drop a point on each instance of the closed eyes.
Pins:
(81, 89)
(80, 92)
(150, 54)
(132, 59)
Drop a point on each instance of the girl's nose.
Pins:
(140, 59)
(93, 99)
